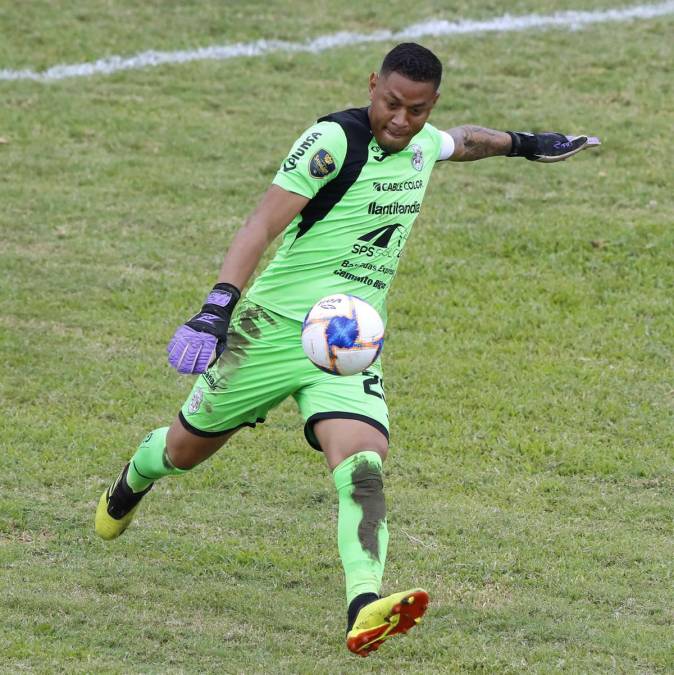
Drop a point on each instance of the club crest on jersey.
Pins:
(195, 403)
(417, 157)
(322, 164)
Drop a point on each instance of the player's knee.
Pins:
(336, 455)
(375, 442)
(184, 450)
(381, 450)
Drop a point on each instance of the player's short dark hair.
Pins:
(414, 62)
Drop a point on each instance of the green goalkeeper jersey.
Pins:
(363, 203)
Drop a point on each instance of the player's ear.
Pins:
(374, 77)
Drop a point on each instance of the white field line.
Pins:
(432, 28)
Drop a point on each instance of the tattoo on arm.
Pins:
(473, 142)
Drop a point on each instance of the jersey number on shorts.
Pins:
(372, 380)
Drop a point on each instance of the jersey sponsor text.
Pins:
(368, 281)
(393, 209)
(398, 187)
(291, 161)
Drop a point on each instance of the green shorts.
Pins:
(263, 364)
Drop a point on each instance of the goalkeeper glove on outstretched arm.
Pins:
(199, 343)
(548, 147)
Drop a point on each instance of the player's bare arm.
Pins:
(473, 142)
(272, 215)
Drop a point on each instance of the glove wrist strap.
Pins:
(221, 300)
(524, 144)
(229, 288)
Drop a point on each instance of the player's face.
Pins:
(399, 109)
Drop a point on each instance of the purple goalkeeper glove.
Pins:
(199, 343)
(548, 147)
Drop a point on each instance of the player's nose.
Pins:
(399, 121)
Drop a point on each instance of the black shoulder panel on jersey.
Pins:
(356, 125)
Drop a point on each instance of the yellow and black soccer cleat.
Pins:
(116, 507)
(385, 618)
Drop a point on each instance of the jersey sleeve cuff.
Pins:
(446, 146)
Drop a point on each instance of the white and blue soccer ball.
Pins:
(342, 334)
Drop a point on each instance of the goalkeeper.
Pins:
(345, 199)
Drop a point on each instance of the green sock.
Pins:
(362, 535)
(151, 462)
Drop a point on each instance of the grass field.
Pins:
(529, 357)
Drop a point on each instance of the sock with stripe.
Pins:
(151, 462)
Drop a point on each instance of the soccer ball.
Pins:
(342, 334)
